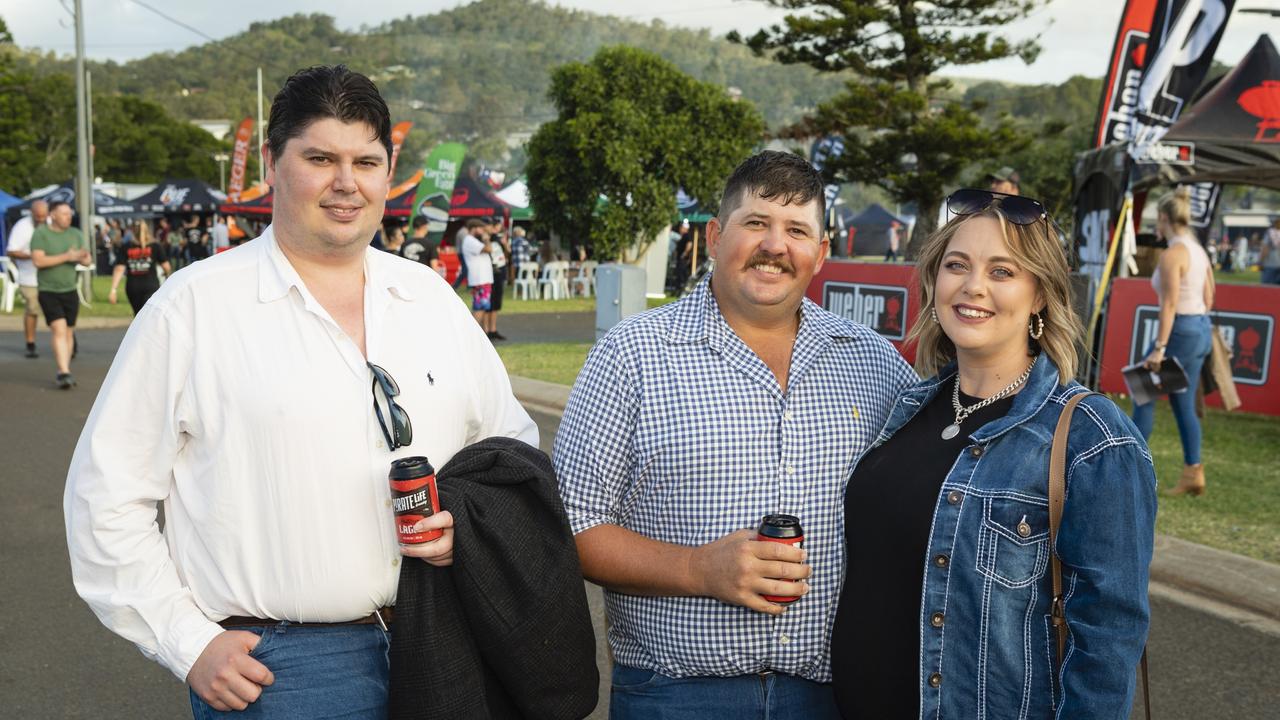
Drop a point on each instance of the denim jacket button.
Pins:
(954, 497)
(976, 451)
(941, 561)
(1024, 530)
(937, 619)
(935, 680)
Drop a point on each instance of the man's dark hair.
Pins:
(779, 176)
(326, 91)
(474, 223)
(57, 204)
(419, 222)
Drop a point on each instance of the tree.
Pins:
(900, 131)
(633, 129)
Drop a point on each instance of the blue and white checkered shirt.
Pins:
(521, 250)
(676, 430)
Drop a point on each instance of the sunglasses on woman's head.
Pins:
(1017, 209)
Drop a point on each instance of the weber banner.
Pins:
(880, 296)
(398, 134)
(240, 156)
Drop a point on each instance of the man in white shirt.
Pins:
(243, 397)
(479, 264)
(220, 234)
(19, 250)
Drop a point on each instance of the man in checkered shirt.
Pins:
(691, 422)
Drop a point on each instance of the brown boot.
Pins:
(1191, 482)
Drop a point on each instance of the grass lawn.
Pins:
(99, 308)
(550, 362)
(1239, 513)
(512, 306)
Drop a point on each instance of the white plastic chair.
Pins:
(554, 282)
(526, 280)
(585, 282)
(10, 279)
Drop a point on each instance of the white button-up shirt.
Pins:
(238, 402)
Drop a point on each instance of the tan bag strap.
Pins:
(1057, 500)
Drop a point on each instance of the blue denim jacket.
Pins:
(987, 647)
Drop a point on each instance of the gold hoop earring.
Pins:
(1036, 329)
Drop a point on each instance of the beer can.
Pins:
(783, 529)
(413, 497)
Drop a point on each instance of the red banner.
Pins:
(881, 296)
(1247, 316)
(1124, 76)
(398, 134)
(239, 157)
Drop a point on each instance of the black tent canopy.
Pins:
(1232, 135)
(181, 196)
(103, 204)
(873, 227)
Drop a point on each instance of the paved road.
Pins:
(57, 661)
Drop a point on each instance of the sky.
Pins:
(1075, 35)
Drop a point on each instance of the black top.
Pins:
(888, 511)
(140, 265)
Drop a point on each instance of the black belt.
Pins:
(380, 617)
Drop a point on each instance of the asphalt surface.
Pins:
(57, 661)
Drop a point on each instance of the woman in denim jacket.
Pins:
(945, 610)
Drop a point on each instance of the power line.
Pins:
(175, 21)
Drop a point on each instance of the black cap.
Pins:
(410, 468)
(782, 527)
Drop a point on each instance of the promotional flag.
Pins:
(240, 155)
(1128, 60)
(823, 151)
(438, 177)
(398, 134)
(1185, 35)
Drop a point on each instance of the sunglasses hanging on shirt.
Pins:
(400, 432)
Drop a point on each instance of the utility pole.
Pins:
(84, 183)
(88, 119)
(262, 173)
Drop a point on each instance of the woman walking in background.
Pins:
(947, 515)
(139, 262)
(1184, 285)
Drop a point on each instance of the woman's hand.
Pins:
(1153, 360)
(111, 296)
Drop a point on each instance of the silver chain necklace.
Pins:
(963, 412)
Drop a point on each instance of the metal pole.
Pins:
(84, 183)
(88, 102)
(262, 173)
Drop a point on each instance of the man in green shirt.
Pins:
(56, 249)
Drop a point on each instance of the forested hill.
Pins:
(476, 73)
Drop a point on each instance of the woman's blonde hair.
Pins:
(143, 236)
(1176, 206)
(1037, 252)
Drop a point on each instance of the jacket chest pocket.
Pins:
(1013, 542)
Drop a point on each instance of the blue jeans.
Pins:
(1271, 276)
(320, 672)
(1189, 342)
(647, 695)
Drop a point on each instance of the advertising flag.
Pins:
(240, 155)
(438, 177)
(398, 134)
(1128, 60)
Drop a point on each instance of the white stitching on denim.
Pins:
(1026, 652)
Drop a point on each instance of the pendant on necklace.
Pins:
(950, 431)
